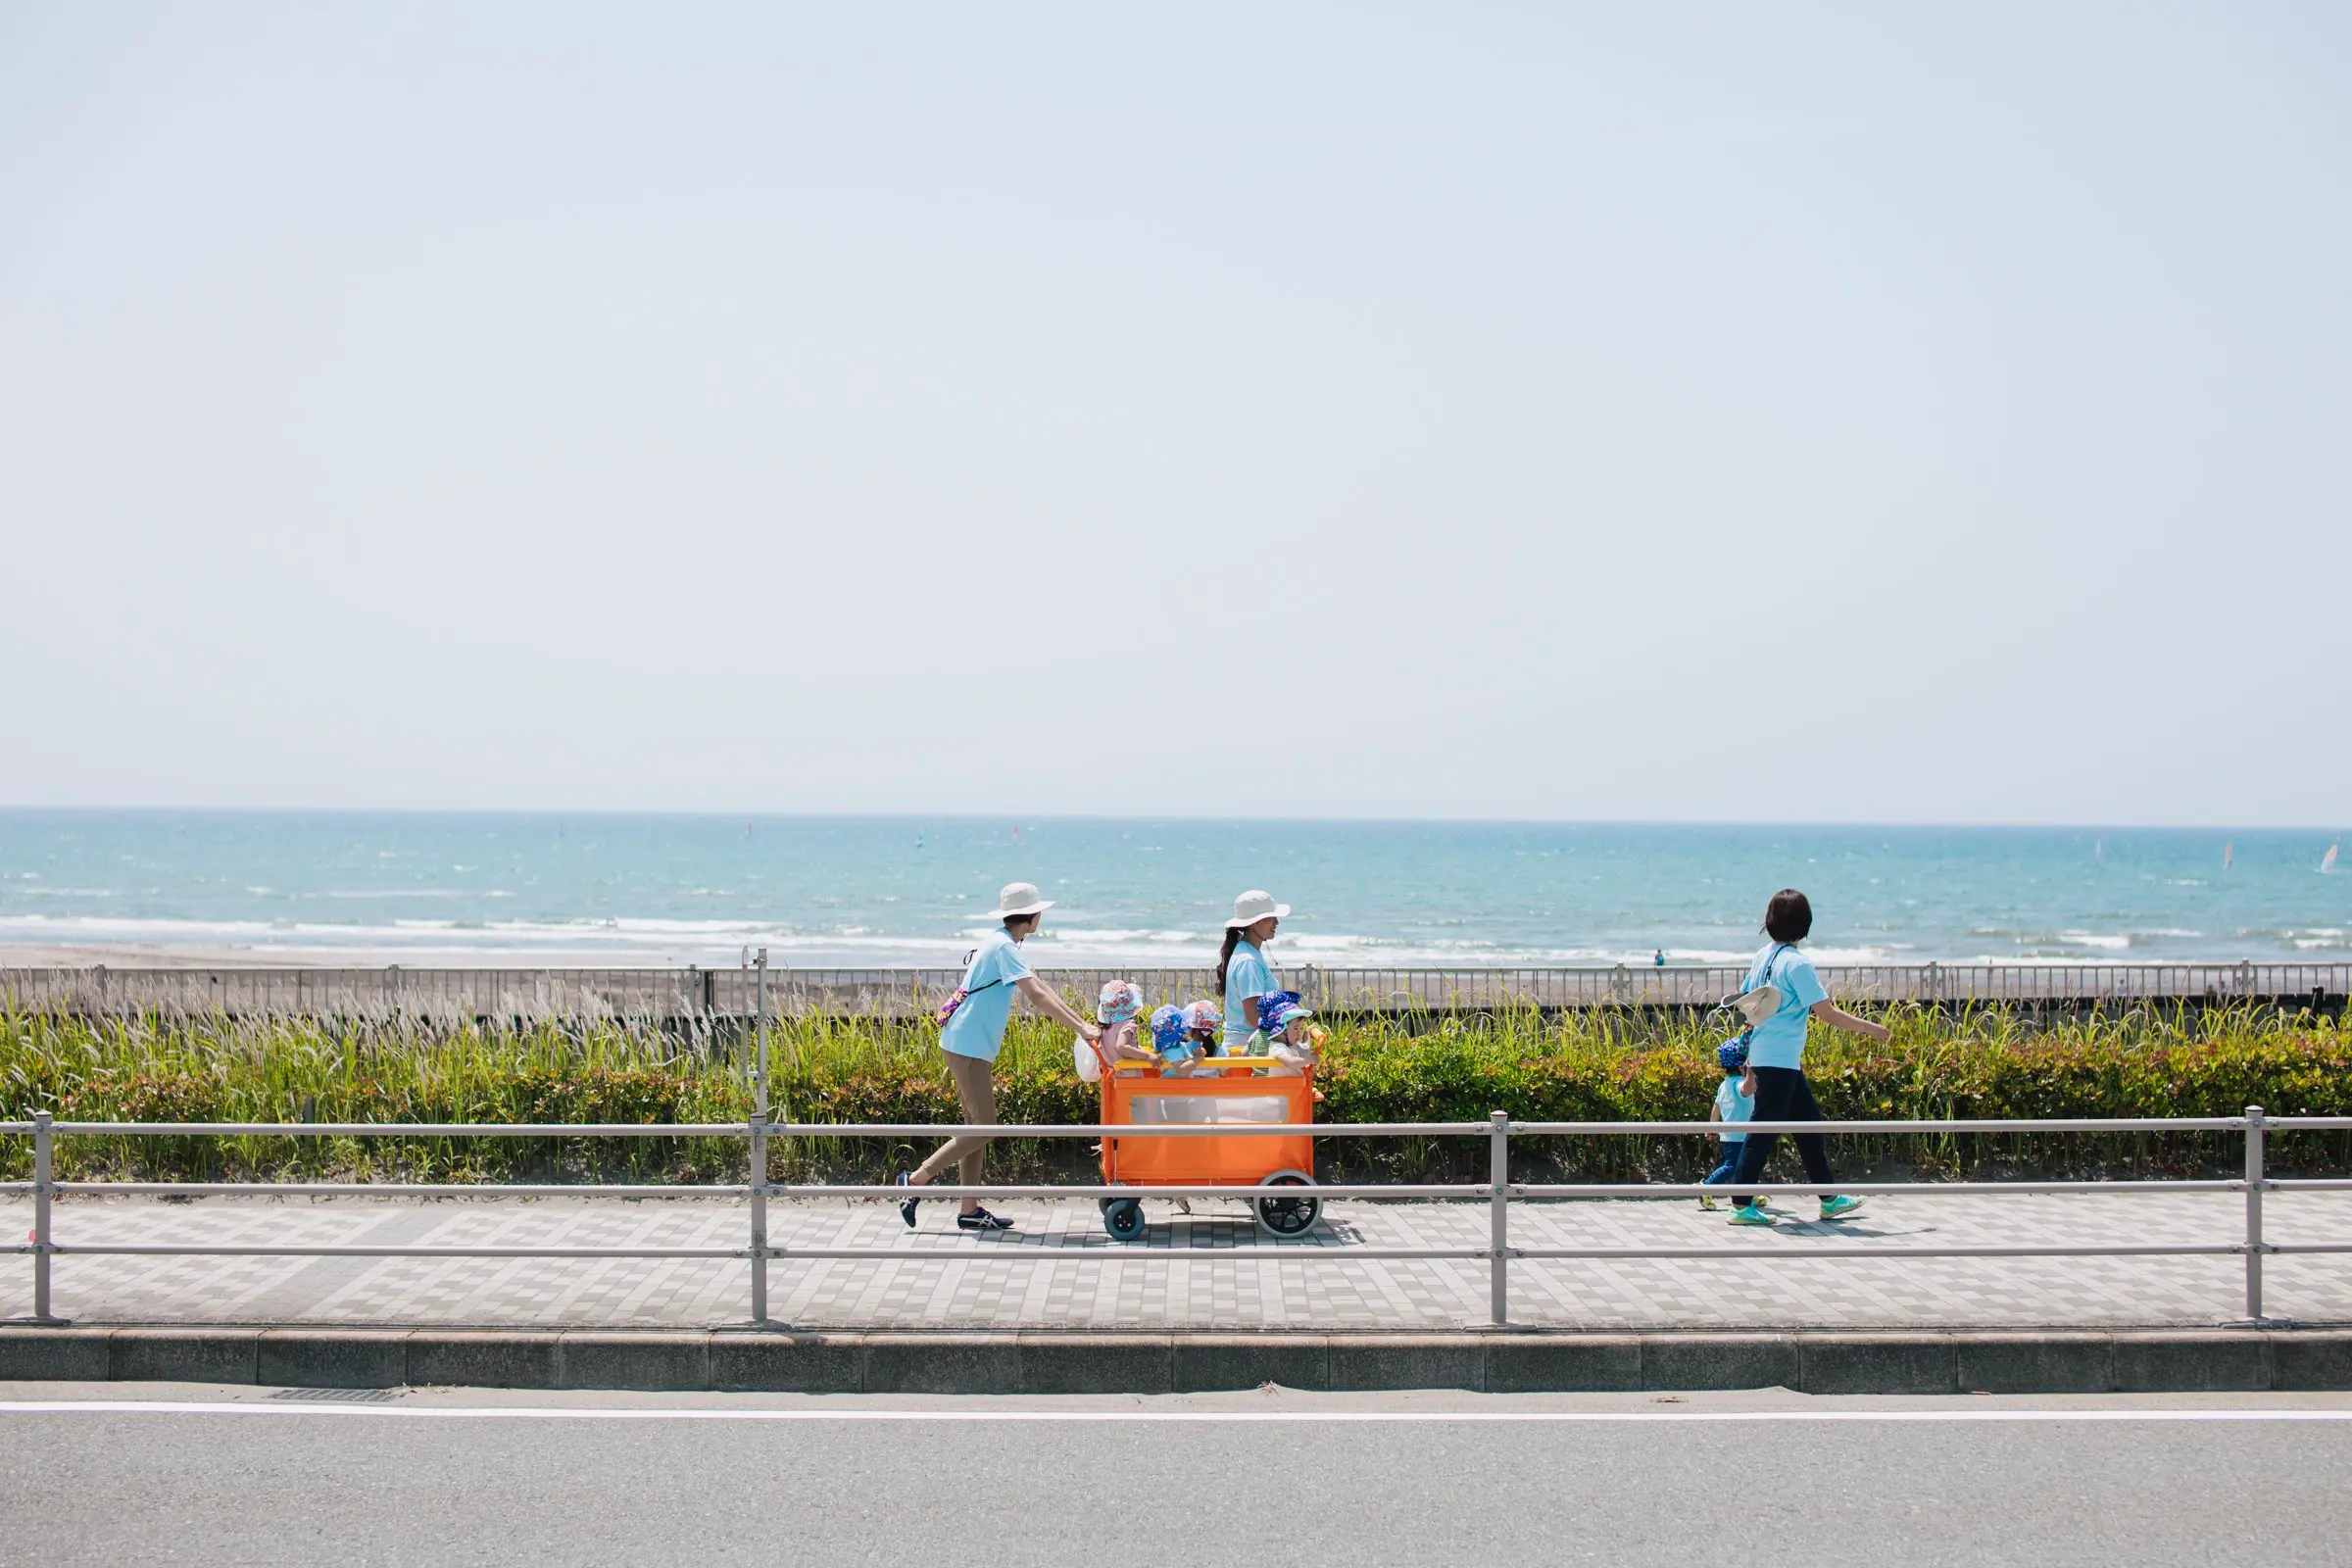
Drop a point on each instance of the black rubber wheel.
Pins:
(1288, 1218)
(1123, 1217)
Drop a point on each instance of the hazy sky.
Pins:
(1737, 411)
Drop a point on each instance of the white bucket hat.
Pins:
(1018, 899)
(1254, 905)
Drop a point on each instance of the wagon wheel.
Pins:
(1287, 1218)
(1123, 1217)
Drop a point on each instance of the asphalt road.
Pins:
(1246, 1480)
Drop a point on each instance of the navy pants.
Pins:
(1783, 1095)
(1730, 1162)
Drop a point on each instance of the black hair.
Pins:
(1233, 939)
(1789, 917)
(1028, 920)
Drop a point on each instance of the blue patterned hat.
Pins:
(1732, 1056)
(1167, 1028)
(1276, 1009)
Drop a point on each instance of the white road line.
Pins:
(458, 1412)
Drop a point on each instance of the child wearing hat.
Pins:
(1286, 1032)
(1204, 1026)
(1116, 1009)
(1734, 1102)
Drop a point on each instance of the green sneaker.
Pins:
(1707, 1202)
(1838, 1207)
(1750, 1214)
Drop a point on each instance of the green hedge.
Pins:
(1585, 1067)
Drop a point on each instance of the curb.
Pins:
(2201, 1361)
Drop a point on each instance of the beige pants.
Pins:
(976, 1092)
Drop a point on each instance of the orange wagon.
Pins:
(1142, 1095)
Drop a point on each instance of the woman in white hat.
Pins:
(1242, 973)
(973, 1032)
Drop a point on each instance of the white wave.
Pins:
(2105, 943)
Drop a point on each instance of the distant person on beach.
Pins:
(1777, 1056)
(1243, 973)
(972, 1031)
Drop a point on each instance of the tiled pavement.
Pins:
(1199, 1272)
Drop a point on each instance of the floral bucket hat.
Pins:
(1121, 1001)
(1167, 1028)
(1204, 1017)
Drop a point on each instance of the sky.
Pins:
(1729, 413)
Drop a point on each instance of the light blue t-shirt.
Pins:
(1733, 1105)
(978, 1027)
(1779, 1040)
(1248, 975)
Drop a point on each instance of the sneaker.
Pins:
(1750, 1214)
(1707, 1202)
(908, 1203)
(980, 1220)
(1839, 1206)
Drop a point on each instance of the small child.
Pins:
(1115, 1011)
(1285, 1034)
(1204, 1026)
(1169, 1039)
(1734, 1102)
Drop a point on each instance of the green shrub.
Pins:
(1597, 1067)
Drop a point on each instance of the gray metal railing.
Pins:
(736, 993)
(1499, 1192)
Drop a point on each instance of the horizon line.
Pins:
(1368, 820)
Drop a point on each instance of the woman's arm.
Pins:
(1248, 1013)
(1837, 1018)
(1049, 1002)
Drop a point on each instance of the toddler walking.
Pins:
(1734, 1102)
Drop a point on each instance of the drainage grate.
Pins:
(340, 1395)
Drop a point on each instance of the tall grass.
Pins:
(1580, 1067)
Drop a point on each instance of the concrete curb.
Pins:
(2221, 1361)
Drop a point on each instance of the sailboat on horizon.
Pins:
(2328, 860)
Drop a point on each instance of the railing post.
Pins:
(1498, 1263)
(42, 1164)
(2254, 1213)
(759, 1145)
(759, 1218)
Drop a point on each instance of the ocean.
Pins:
(426, 889)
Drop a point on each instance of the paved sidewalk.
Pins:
(1196, 1273)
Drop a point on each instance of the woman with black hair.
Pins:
(1776, 1051)
(1243, 973)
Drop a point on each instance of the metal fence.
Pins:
(670, 994)
(1499, 1194)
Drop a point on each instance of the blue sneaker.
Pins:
(1751, 1214)
(908, 1203)
(1837, 1207)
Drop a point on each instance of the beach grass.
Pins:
(1602, 1065)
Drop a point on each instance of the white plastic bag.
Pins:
(1082, 1057)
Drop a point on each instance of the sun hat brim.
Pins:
(1039, 908)
(1280, 912)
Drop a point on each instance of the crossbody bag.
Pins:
(958, 997)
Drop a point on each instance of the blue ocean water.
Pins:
(453, 888)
